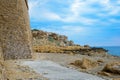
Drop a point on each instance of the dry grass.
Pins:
(17, 72)
(85, 63)
(55, 49)
(47, 49)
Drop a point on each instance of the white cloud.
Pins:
(92, 18)
(41, 12)
(50, 15)
(114, 21)
(74, 29)
(74, 13)
(67, 30)
(110, 8)
(32, 5)
(76, 10)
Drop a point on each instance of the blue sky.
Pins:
(93, 22)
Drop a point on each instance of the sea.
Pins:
(113, 50)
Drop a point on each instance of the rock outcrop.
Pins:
(48, 42)
(113, 68)
(85, 63)
(48, 38)
(93, 51)
(116, 79)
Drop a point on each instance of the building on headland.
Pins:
(15, 33)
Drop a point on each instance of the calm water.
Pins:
(114, 50)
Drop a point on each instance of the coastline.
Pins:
(112, 50)
(45, 63)
(67, 59)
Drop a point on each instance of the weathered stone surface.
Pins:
(48, 38)
(1, 54)
(85, 63)
(104, 74)
(15, 34)
(116, 79)
(2, 71)
(113, 68)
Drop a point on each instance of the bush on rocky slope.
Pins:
(85, 63)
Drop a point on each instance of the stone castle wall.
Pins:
(15, 34)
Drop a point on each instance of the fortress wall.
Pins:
(15, 34)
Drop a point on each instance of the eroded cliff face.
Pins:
(41, 38)
(15, 34)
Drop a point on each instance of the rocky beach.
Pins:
(57, 66)
(90, 60)
(87, 64)
(66, 61)
(28, 51)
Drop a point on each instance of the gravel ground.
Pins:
(56, 66)
(66, 59)
(54, 71)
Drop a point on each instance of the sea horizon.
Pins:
(112, 50)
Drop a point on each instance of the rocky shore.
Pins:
(48, 42)
(92, 60)
(41, 38)
(51, 48)
(105, 67)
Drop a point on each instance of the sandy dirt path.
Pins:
(54, 71)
